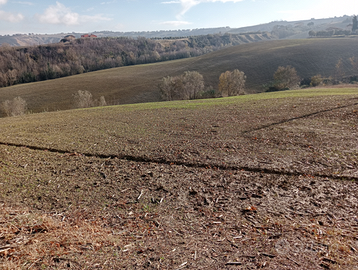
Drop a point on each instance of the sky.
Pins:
(67, 16)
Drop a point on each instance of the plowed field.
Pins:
(258, 181)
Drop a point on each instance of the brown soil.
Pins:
(266, 184)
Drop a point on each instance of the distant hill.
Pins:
(282, 29)
(75, 56)
(137, 84)
(29, 40)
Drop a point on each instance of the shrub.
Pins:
(316, 80)
(209, 92)
(305, 82)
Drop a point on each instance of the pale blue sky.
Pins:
(40, 16)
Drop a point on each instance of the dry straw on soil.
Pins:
(30, 240)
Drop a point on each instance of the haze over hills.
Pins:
(280, 29)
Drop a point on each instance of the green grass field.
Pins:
(137, 84)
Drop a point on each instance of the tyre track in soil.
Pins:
(187, 164)
(299, 117)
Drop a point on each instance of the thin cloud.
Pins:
(119, 26)
(107, 3)
(60, 14)
(94, 18)
(3, 2)
(188, 4)
(175, 23)
(25, 3)
(10, 17)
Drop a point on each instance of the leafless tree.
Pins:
(232, 83)
(83, 99)
(102, 101)
(286, 78)
(15, 107)
(190, 85)
(193, 84)
(339, 70)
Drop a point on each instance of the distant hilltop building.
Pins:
(88, 36)
(68, 38)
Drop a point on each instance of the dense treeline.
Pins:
(330, 33)
(37, 63)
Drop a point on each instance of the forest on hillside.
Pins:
(38, 63)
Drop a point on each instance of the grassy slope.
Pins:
(137, 84)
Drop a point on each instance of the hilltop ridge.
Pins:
(281, 29)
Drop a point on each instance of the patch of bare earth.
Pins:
(272, 186)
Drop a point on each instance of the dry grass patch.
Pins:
(30, 240)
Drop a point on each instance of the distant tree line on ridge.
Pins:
(336, 31)
(38, 63)
(329, 33)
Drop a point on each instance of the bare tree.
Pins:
(190, 85)
(232, 83)
(6, 107)
(193, 84)
(15, 107)
(354, 63)
(102, 101)
(339, 70)
(286, 78)
(83, 99)
(19, 106)
(166, 88)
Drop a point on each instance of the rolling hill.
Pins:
(137, 84)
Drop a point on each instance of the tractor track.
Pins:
(299, 117)
(163, 161)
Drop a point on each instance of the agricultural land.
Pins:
(139, 83)
(257, 181)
